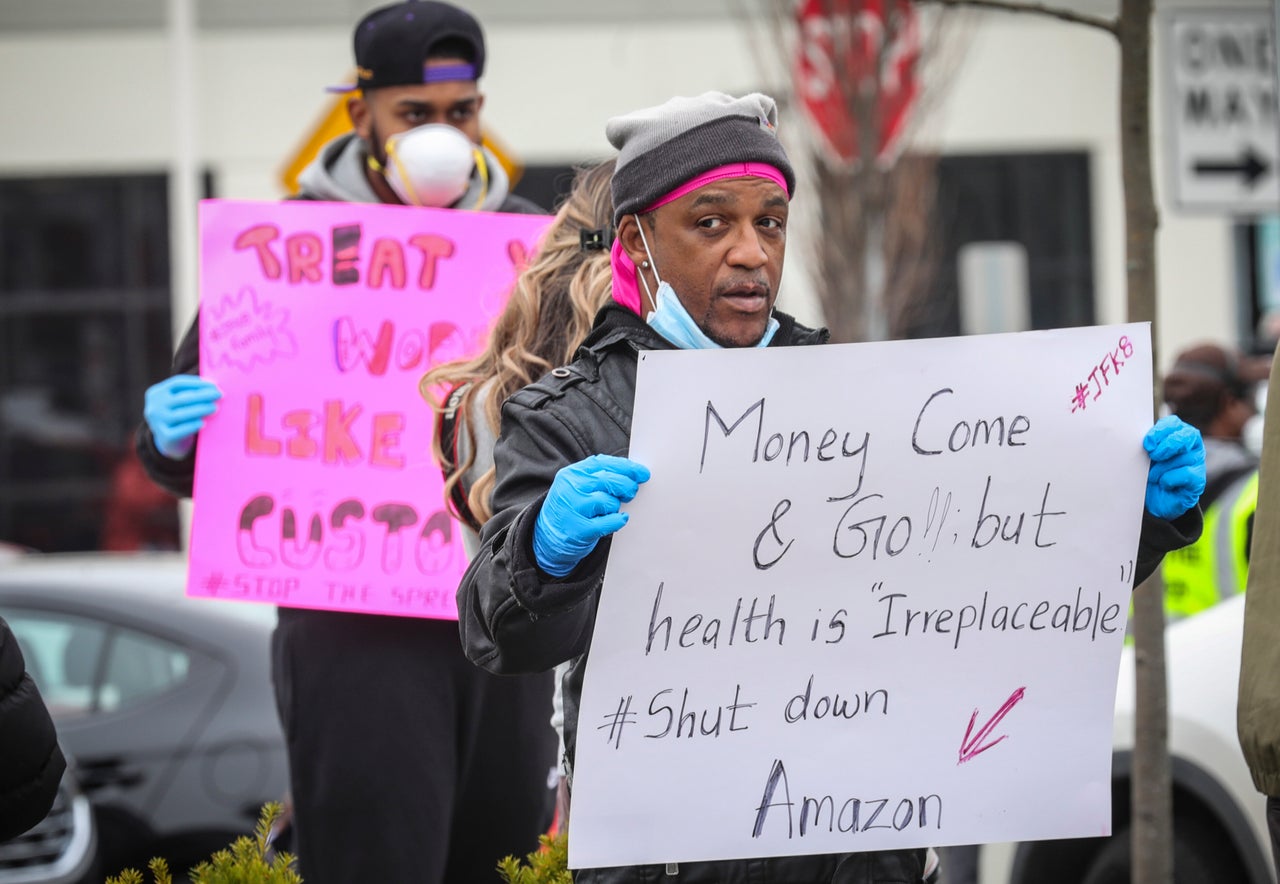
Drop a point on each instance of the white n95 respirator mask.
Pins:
(430, 165)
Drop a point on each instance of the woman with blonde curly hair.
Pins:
(550, 311)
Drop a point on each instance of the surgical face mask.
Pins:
(430, 165)
(670, 319)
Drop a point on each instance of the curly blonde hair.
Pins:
(547, 316)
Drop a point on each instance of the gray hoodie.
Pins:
(1224, 461)
(337, 174)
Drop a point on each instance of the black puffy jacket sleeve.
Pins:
(175, 476)
(31, 764)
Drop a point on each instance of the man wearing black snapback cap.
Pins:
(408, 763)
(417, 67)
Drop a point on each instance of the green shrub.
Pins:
(245, 862)
(547, 865)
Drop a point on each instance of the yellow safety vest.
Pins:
(1216, 566)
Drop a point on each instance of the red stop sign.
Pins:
(866, 43)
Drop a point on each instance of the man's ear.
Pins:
(632, 243)
(361, 116)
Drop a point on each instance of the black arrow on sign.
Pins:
(1250, 167)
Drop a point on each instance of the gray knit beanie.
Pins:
(661, 148)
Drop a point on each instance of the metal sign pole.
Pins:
(183, 191)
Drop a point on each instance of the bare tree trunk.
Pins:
(865, 102)
(1152, 795)
(875, 253)
(1151, 788)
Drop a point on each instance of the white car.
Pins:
(1220, 830)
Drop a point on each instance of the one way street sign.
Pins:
(1223, 119)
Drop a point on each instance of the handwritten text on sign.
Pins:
(873, 597)
(315, 485)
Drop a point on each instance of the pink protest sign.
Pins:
(315, 486)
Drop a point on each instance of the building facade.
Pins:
(119, 115)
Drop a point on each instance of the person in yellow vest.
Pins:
(1208, 388)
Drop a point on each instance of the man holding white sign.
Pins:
(701, 194)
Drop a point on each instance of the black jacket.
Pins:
(31, 764)
(514, 618)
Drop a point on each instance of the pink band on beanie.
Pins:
(626, 289)
(720, 173)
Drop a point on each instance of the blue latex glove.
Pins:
(581, 507)
(175, 409)
(1176, 478)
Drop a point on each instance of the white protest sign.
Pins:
(873, 597)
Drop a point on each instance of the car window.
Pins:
(63, 654)
(140, 666)
(83, 667)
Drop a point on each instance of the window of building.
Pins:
(547, 186)
(1258, 263)
(84, 329)
(1015, 240)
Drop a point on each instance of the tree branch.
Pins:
(1093, 21)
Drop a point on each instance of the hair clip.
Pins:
(597, 240)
